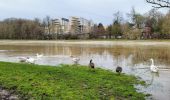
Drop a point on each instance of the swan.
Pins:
(118, 69)
(153, 68)
(39, 55)
(75, 60)
(91, 64)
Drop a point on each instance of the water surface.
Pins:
(133, 56)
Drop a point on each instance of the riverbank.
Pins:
(88, 42)
(67, 82)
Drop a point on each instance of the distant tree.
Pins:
(132, 34)
(13, 28)
(159, 3)
(165, 29)
(136, 18)
(101, 29)
(94, 31)
(132, 15)
(116, 29)
(47, 23)
(116, 26)
(154, 20)
(109, 30)
(118, 17)
(126, 27)
(38, 21)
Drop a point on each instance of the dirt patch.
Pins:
(7, 95)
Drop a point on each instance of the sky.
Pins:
(96, 10)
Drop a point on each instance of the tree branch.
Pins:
(159, 3)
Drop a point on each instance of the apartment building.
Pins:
(79, 25)
(73, 25)
(64, 25)
(85, 25)
(56, 26)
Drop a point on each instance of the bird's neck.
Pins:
(152, 63)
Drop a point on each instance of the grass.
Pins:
(67, 82)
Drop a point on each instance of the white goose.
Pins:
(39, 55)
(30, 60)
(22, 59)
(75, 60)
(153, 68)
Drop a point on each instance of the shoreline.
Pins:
(89, 42)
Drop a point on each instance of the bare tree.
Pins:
(159, 3)
(47, 22)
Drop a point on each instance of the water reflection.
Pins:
(133, 59)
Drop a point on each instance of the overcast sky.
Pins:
(97, 10)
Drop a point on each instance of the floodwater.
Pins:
(132, 56)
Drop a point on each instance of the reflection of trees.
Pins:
(158, 54)
(140, 54)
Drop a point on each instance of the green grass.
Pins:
(67, 82)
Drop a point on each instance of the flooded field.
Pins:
(133, 56)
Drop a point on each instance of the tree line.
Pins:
(152, 24)
(17, 28)
(13, 28)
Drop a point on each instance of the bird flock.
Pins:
(30, 60)
(76, 60)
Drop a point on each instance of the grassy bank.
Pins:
(67, 82)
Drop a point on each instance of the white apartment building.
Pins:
(73, 25)
(56, 26)
(64, 25)
(86, 25)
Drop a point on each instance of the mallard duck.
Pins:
(91, 64)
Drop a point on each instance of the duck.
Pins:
(153, 68)
(39, 55)
(118, 69)
(91, 64)
(75, 60)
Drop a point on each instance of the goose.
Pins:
(91, 64)
(153, 68)
(75, 60)
(118, 69)
(22, 59)
(30, 60)
(39, 55)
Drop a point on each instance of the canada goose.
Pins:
(75, 60)
(153, 68)
(118, 69)
(91, 64)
